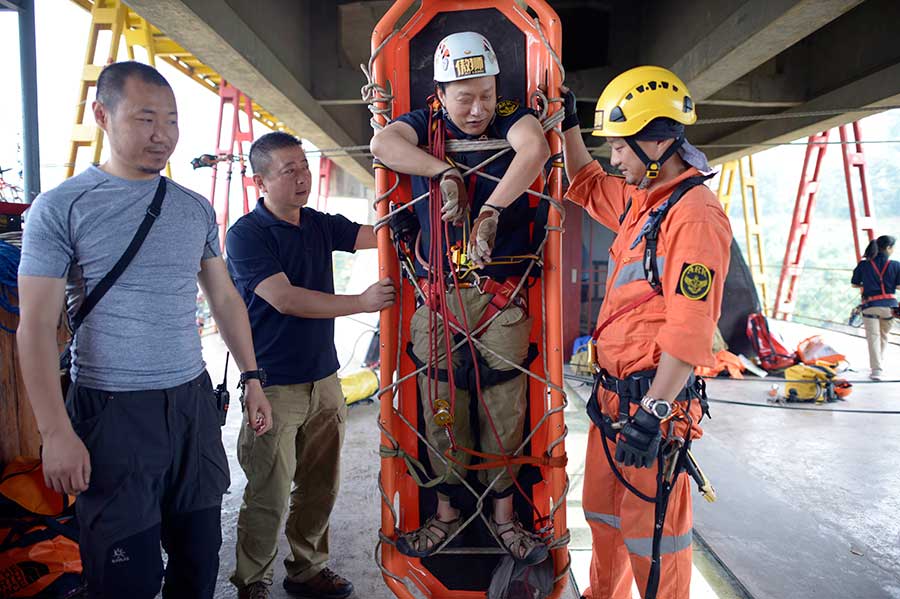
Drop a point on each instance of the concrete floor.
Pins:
(356, 516)
(808, 500)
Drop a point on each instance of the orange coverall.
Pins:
(681, 322)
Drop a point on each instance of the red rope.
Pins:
(615, 315)
(437, 293)
(437, 281)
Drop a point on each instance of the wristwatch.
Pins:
(249, 375)
(658, 407)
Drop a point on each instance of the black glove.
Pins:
(638, 442)
(571, 110)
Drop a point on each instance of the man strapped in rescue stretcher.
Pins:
(495, 218)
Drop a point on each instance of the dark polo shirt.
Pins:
(864, 274)
(514, 234)
(292, 350)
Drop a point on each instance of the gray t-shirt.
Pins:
(142, 335)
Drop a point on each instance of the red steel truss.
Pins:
(862, 221)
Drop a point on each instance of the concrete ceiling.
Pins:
(739, 58)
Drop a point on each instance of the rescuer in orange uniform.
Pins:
(667, 267)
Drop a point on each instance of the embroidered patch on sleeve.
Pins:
(507, 107)
(695, 281)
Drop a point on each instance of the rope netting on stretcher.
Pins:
(379, 99)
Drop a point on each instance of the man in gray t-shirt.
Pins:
(138, 437)
(143, 334)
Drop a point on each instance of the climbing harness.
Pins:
(884, 294)
(649, 234)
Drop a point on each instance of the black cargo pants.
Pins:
(158, 473)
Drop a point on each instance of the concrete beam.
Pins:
(880, 89)
(224, 40)
(357, 20)
(760, 90)
(754, 33)
(339, 85)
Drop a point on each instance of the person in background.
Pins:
(877, 277)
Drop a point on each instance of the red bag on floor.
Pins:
(771, 352)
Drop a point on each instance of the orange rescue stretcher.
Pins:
(400, 80)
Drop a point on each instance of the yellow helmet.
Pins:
(638, 96)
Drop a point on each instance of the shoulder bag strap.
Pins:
(109, 280)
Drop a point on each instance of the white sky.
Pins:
(62, 32)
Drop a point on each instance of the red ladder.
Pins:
(325, 166)
(234, 152)
(791, 268)
(856, 159)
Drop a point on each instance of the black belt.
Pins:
(631, 390)
(875, 317)
(638, 384)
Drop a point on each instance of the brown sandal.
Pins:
(424, 541)
(524, 546)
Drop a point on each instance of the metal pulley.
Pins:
(442, 415)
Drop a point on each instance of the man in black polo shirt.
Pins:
(279, 256)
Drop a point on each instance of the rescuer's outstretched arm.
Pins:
(574, 150)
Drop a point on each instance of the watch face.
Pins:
(659, 408)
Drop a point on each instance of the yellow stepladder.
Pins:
(746, 176)
(116, 17)
(726, 184)
(106, 15)
(113, 16)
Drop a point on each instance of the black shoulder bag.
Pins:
(109, 280)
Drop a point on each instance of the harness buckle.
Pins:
(479, 281)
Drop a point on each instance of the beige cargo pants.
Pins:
(299, 459)
(878, 321)
(508, 336)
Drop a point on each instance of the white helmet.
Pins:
(464, 55)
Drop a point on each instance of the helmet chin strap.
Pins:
(653, 166)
